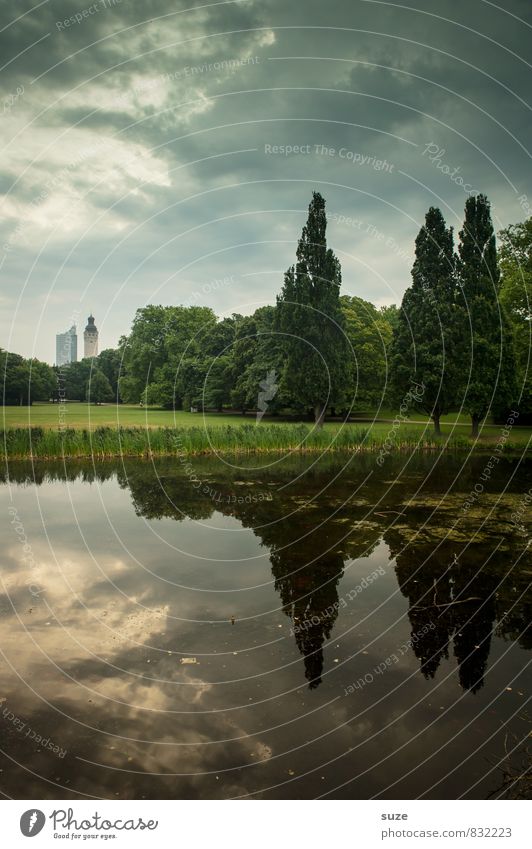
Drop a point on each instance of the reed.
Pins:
(107, 442)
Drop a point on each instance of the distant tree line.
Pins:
(458, 322)
(27, 380)
(315, 349)
(462, 338)
(461, 335)
(94, 379)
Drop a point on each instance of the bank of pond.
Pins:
(107, 442)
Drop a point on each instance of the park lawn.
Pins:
(91, 416)
(84, 416)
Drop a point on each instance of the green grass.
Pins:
(124, 430)
(106, 442)
(88, 417)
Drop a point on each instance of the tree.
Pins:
(369, 332)
(425, 350)
(310, 319)
(72, 379)
(164, 356)
(515, 259)
(258, 351)
(219, 377)
(391, 314)
(143, 352)
(25, 381)
(98, 388)
(109, 361)
(42, 381)
(488, 333)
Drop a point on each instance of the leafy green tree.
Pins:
(258, 353)
(42, 383)
(144, 352)
(98, 388)
(164, 357)
(109, 361)
(218, 384)
(244, 350)
(391, 314)
(219, 378)
(15, 375)
(310, 318)
(369, 332)
(424, 356)
(25, 381)
(487, 333)
(515, 259)
(72, 378)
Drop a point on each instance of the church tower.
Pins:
(90, 338)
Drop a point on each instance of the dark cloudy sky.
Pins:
(138, 146)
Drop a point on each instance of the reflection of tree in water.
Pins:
(310, 598)
(451, 600)
(306, 582)
(433, 575)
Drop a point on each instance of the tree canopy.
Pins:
(311, 322)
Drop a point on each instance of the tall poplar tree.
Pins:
(310, 319)
(424, 352)
(487, 332)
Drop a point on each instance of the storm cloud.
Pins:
(151, 149)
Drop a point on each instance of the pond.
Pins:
(273, 627)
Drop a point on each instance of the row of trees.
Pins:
(314, 350)
(464, 329)
(453, 336)
(27, 380)
(462, 338)
(93, 379)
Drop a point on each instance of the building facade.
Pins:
(66, 347)
(90, 338)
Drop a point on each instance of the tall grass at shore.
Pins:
(107, 442)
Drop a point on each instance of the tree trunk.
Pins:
(319, 415)
(436, 420)
(474, 426)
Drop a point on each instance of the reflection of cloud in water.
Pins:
(117, 633)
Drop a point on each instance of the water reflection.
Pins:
(170, 589)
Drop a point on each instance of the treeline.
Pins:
(184, 357)
(27, 380)
(93, 379)
(461, 339)
(314, 351)
(455, 338)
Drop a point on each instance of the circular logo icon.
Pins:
(32, 822)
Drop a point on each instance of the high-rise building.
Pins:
(66, 347)
(90, 338)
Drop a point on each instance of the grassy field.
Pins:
(109, 430)
(88, 417)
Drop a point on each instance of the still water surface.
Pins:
(294, 629)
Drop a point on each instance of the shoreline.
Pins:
(108, 443)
